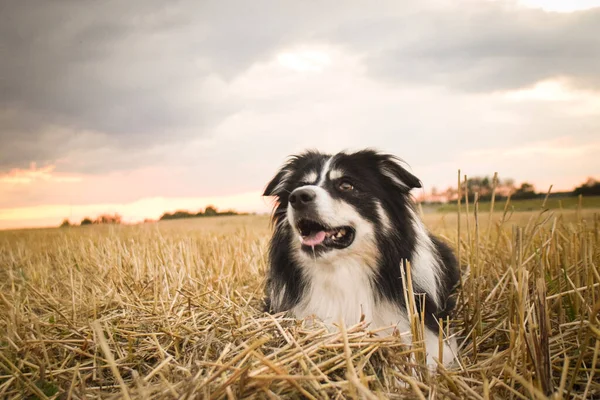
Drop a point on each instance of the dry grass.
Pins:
(172, 310)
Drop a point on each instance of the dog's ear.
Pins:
(274, 188)
(390, 167)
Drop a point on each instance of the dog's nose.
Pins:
(302, 198)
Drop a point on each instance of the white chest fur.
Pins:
(343, 292)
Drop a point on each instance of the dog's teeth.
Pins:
(339, 234)
(342, 232)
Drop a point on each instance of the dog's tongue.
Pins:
(315, 238)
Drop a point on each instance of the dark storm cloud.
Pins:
(132, 75)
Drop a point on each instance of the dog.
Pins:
(343, 225)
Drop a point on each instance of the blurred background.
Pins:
(141, 108)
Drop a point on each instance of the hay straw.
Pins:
(173, 310)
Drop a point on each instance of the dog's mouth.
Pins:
(315, 234)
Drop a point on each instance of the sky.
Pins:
(142, 107)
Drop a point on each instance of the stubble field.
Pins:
(173, 310)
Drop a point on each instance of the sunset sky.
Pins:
(142, 107)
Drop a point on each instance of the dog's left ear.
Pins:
(390, 167)
(274, 188)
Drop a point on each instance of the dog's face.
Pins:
(336, 203)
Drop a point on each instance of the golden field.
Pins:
(173, 310)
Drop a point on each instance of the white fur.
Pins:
(311, 177)
(392, 176)
(425, 267)
(340, 291)
(324, 172)
(432, 346)
(277, 298)
(336, 174)
(331, 211)
(383, 217)
(336, 213)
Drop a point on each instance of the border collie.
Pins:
(343, 225)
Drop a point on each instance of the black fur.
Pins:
(369, 172)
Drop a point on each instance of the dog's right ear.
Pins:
(274, 188)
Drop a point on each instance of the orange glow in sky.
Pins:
(137, 211)
(151, 207)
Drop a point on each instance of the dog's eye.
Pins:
(345, 186)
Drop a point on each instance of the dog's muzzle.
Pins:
(302, 198)
(316, 234)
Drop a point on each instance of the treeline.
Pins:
(209, 211)
(589, 188)
(104, 219)
(503, 188)
(101, 219)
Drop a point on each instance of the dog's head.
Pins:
(337, 203)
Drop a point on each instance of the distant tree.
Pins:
(166, 216)
(590, 188)
(108, 219)
(508, 182)
(504, 187)
(526, 188)
(451, 193)
(86, 221)
(180, 214)
(472, 184)
(526, 191)
(65, 223)
(210, 211)
(485, 183)
(229, 212)
(482, 186)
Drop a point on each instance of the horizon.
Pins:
(419, 195)
(157, 108)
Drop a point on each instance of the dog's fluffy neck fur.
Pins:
(337, 292)
(335, 286)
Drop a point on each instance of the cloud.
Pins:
(285, 110)
(34, 174)
(575, 102)
(199, 99)
(134, 77)
(555, 149)
(485, 46)
(313, 61)
(560, 5)
(563, 162)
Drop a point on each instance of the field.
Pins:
(555, 203)
(173, 310)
